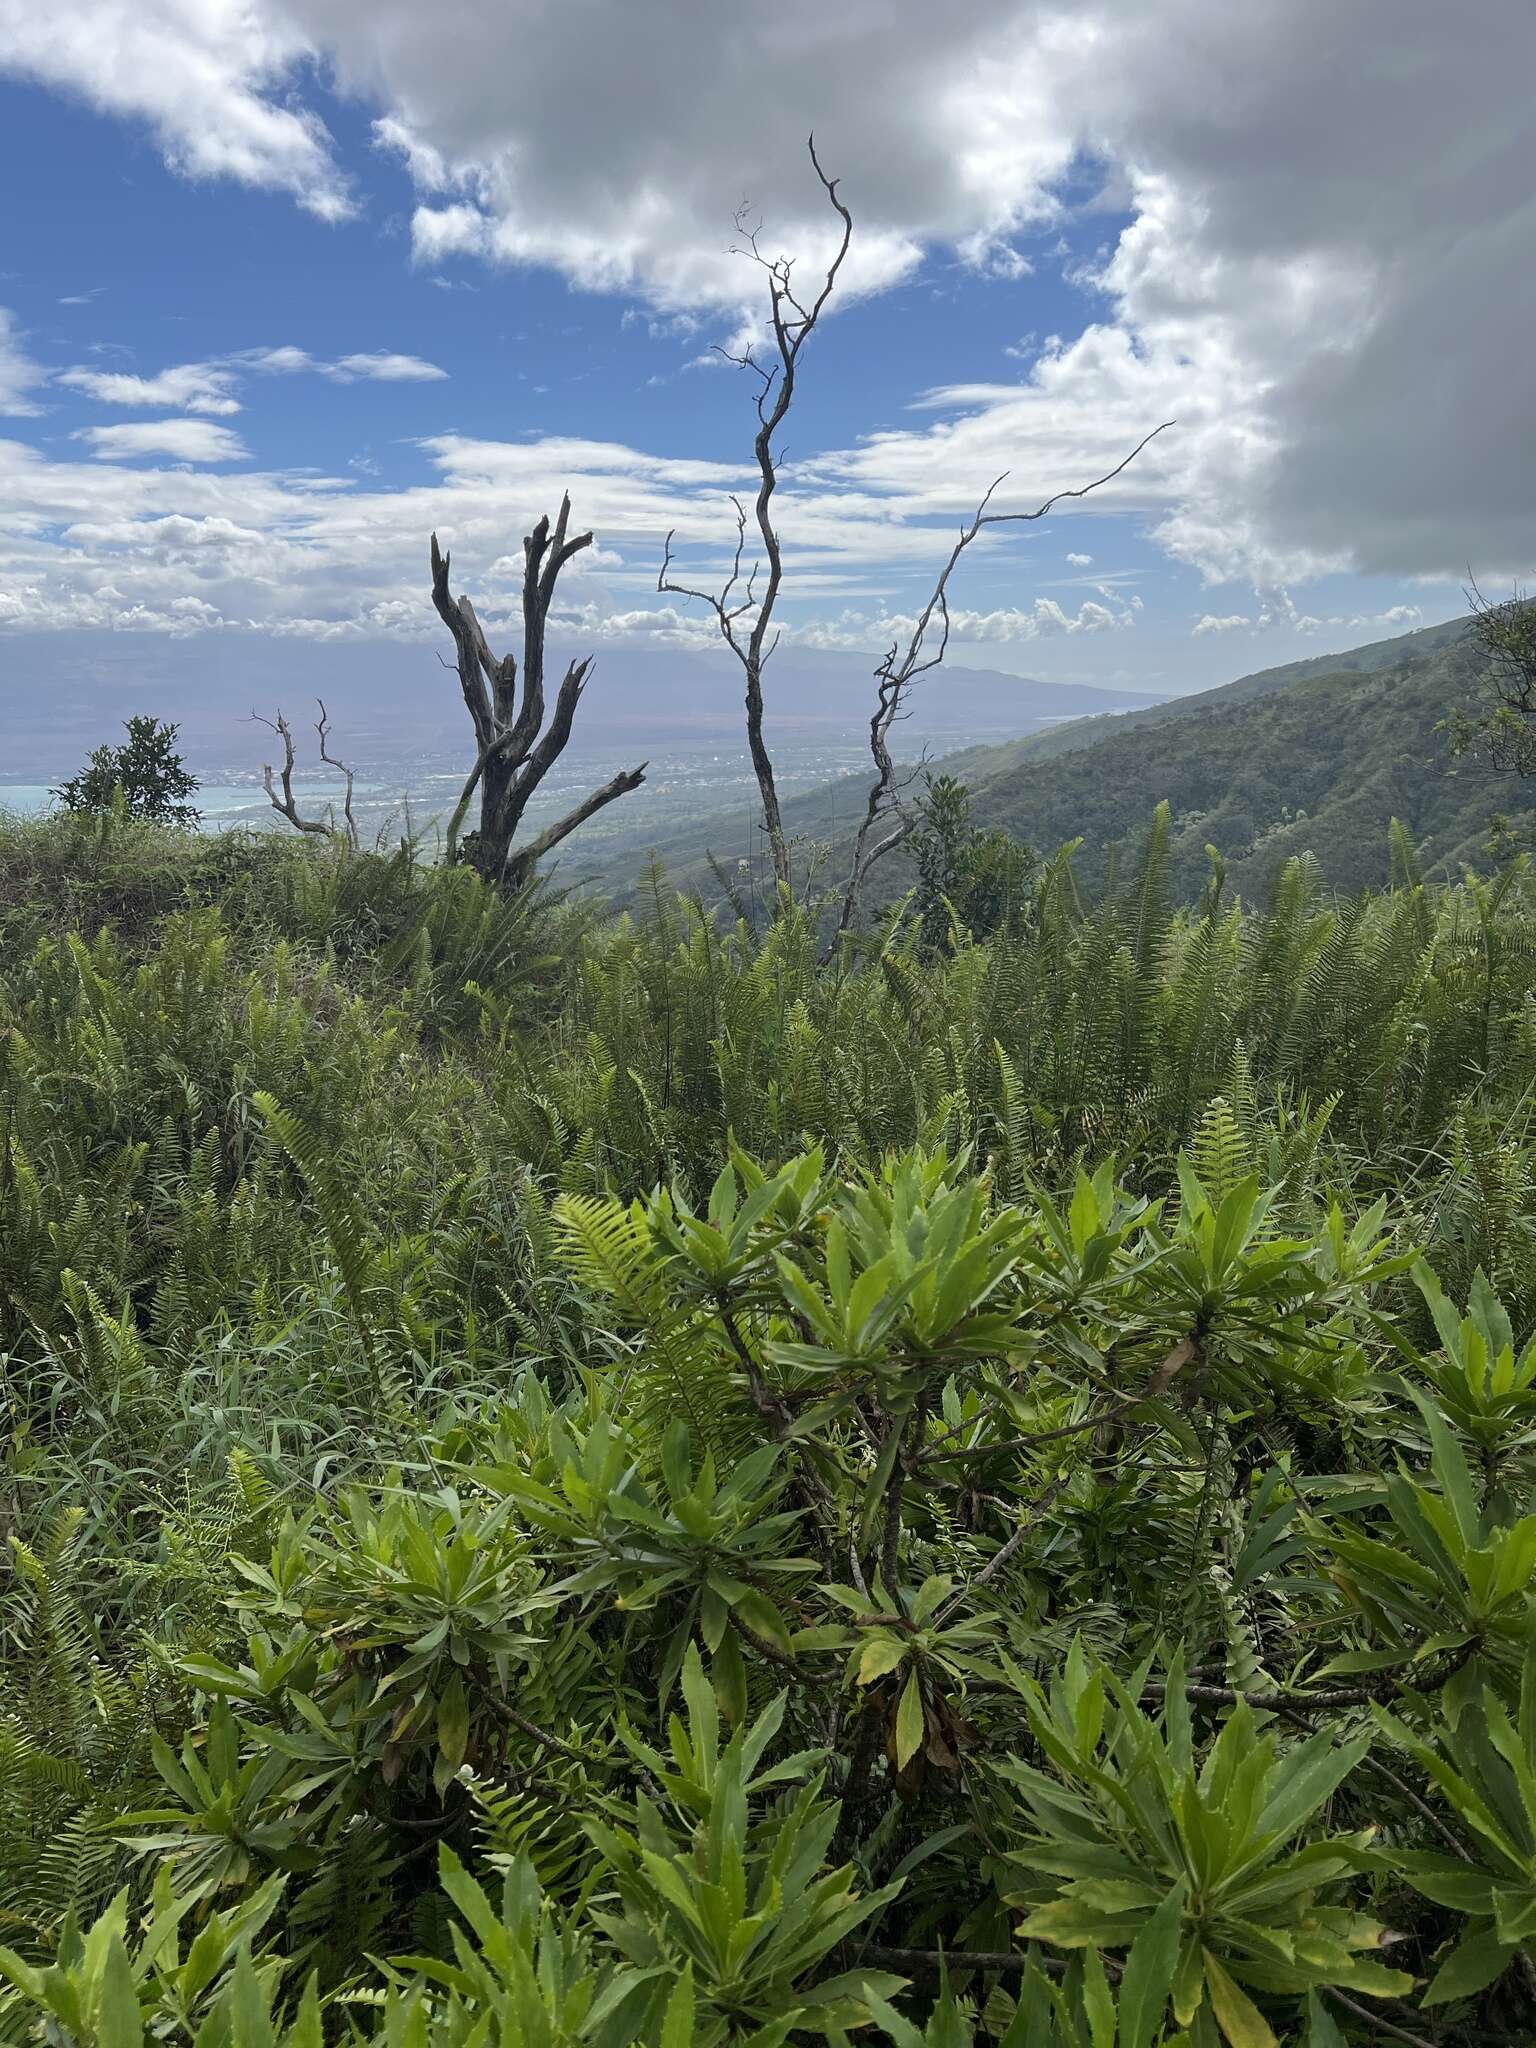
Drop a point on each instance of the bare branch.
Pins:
(792, 324)
(522, 864)
(286, 805)
(901, 669)
(468, 641)
(323, 727)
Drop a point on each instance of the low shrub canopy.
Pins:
(581, 1482)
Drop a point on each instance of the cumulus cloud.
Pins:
(1325, 273)
(213, 79)
(97, 540)
(1042, 619)
(1080, 561)
(385, 367)
(210, 387)
(380, 366)
(183, 440)
(1279, 609)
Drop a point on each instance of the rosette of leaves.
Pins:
(427, 1600)
(170, 1972)
(1449, 1575)
(706, 1550)
(1483, 1381)
(725, 1876)
(1191, 1868)
(911, 1659)
(909, 1276)
(1484, 1767)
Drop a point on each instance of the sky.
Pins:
(288, 285)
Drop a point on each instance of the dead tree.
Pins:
(286, 805)
(901, 668)
(793, 325)
(516, 749)
(745, 620)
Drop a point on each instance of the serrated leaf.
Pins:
(677, 2026)
(880, 1655)
(1236, 2014)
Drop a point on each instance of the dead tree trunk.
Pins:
(745, 619)
(792, 325)
(516, 748)
(886, 822)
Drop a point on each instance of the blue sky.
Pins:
(488, 287)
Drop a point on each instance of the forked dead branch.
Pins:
(287, 805)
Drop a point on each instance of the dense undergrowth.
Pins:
(577, 1483)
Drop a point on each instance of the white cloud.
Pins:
(1043, 619)
(213, 79)
(1278, 609)
(1399, 618)
(189, 387)
(183, 440)
(210, 387)
(96, 541)
(1336, 301)
(277, 362)
(1334, 305)
(19, 375)
(1080, 561)
(382, 366)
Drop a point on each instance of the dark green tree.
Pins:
(966, 877)
(149, 771)
(1502, 726)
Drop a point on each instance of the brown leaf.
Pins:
(1185, 1352)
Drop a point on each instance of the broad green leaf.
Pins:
(1147, 1980)
(880, 1655)
(1236, 2014)
(909, 1722)
(453, 1720)
(677, 2026)
(1477, 1960)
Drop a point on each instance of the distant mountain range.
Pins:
(393, 707)
(1316, 756)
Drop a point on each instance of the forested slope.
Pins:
(1319, 765)
(1314, 757)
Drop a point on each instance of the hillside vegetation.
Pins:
(1318, 761)
(1316, 757)
(587, 1483)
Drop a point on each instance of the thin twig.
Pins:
(1185, 1352)
(1376, 2019)
(538, 1734)
(1001, 1557)
(1005, 1962)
